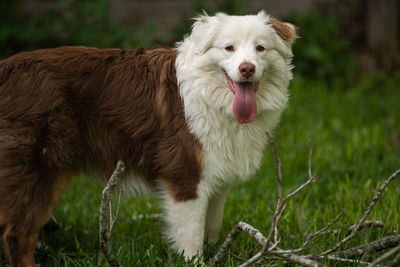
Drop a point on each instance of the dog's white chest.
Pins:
(232, 151)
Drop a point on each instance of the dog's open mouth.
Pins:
(244, 101)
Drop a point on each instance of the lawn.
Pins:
(355, 133)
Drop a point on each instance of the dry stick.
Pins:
(368, 224)
(365, 215)
(240, 226)
(282, 200)
(386, 256)
(301, 260)
(280, 207)
(114, 219)
(395, 262)
(104, 216)
(312, 235)
(334, 258)
(311, 178)
(377, 245)
(286, 256)
(280, 204)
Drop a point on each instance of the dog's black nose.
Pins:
(247, 69)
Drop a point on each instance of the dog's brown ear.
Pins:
(285, 30)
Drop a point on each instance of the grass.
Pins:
(355, 132)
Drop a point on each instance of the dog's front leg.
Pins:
(214, 216)
(186, 224)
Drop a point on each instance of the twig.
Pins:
(368, 224)
(377, 245)
(104, 216)
(269, 247)
(387, 255)
(114, 219)
(365, 215)
(302, 260)
(395, 262)
(312, 235)
(335, 258)
(265, 242)
(311, 178)
(280, 206)
(232, 236)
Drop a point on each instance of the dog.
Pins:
(188, 122)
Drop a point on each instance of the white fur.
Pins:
(232, 151)
(134, 184)
(186, 224)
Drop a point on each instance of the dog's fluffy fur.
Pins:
(189, 123)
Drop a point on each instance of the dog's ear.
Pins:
(286, 31)
(203, 32)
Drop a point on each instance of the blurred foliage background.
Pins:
(328, 48)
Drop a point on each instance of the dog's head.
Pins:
(243, 61)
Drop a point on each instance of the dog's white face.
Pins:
(241, 61)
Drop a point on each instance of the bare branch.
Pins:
(377, 245)
(277, 167)
(368, 224)
(290, 255)
(253, 259)
(395, 262)
(365, 215)
(232, 236)
(312, 235)
(302, 260)
(311, 178)
(267, 245)
(114, 219)
(280, 205)
(386, 256)
(278, 217)
(323, 229)
(335, 258)
(104, 216)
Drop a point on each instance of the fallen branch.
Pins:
(270, 243)
(335, 258)
(387, 255)
(113, 219)
(105, 219)
(240, 226)
(368, 224)
(376, 246)
(266, 242)
(365, 215)
(395, 262)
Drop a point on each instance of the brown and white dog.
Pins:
(188, 122)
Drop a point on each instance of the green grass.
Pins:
(355, 132)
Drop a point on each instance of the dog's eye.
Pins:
(260, 48)
(229, 48)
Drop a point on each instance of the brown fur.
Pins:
(69, 109)
(285, 30)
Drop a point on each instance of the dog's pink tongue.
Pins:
(244, 102)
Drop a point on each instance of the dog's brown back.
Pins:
(76, 108)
